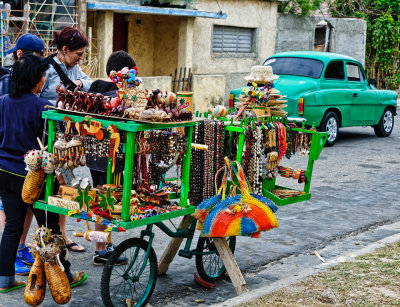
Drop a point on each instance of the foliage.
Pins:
(299, 7)
(383, 32)
(383, 36)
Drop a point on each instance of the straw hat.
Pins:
(261, 74)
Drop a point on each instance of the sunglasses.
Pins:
(75, 35)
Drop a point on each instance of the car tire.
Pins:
(385, 126)
(330, 124)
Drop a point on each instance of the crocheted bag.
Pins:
(241, 214)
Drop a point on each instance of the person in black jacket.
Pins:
(21, 124)
(116, 61)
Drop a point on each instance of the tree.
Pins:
(383, 36)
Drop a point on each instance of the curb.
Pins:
(254, 294)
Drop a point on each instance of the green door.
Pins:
(364, 99)
(335, 92)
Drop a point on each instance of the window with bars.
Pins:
(232, 39)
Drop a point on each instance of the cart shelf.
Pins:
(130, 127)
(116, 224)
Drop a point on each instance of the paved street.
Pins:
(354, 189)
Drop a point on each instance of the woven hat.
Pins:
(261, 74)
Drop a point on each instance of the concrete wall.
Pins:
(141, 42)
(208, 91)
(297, 33)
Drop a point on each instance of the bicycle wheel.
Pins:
(133, 283)
(208, 263)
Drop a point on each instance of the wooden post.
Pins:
(81, 13)
(173, 246)
(231, 266)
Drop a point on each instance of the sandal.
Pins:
(80, 249)
(79, 277)
(17, 285)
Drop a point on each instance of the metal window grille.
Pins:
(232, 39)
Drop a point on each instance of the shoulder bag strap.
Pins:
(64, 78)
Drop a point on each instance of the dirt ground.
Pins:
(369, 280)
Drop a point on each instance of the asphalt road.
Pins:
(354, 190)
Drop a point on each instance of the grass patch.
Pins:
(369, 280)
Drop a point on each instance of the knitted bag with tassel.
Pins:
(241, 214)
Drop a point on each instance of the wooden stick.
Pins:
(173, 246)
(231, 266)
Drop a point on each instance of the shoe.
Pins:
(25, 256)
(101, 260)
(21, 268)
(110, 247)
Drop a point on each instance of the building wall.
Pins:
(261, 15)
(166, 40)
(141, 42)
(297, 33)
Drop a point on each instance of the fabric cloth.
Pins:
(107, 88)
(21, 124)
(15, 210)
(53, 80)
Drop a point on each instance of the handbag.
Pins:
(208, 204)
(242, 214)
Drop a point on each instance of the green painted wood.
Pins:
(186, 168)
(122, 124)
(50, 142)
(127, 185)
(126, 225)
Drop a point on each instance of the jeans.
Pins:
(15, 210)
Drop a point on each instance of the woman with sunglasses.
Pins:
(64, 69)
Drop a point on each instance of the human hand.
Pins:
(78, 83)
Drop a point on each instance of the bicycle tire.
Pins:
(210, 267)
(113, 280)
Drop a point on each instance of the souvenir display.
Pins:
(161, 164)
(260, 97)
(47, 248)
(38, 163)
(130, 102)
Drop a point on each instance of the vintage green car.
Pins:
(330, 91)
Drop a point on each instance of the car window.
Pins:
(335, 71)
(354, 72)
(304, 67)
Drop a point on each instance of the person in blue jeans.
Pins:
(21, 124)
(26, 44)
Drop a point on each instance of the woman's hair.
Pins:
(71, 37)
(26, 73)
(118, 60)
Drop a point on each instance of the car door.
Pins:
(335, 92)
(364, 98)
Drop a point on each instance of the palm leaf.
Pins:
(103, 203)
(110, 199)
(86, 198)
(80, 198)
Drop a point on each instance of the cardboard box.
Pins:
(63, 203)
(70, 193)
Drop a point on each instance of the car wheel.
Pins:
(385, 126)
(330, 124)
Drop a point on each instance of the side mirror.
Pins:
(372, 82)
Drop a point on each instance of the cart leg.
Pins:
(231, 266)
(173, 246)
